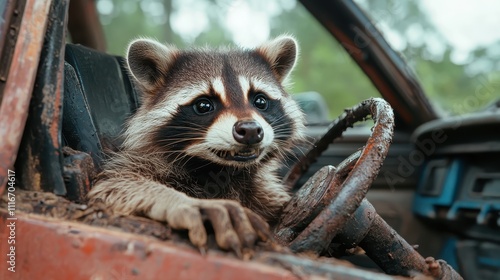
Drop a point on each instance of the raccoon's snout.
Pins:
(248, 132)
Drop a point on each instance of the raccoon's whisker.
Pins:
(294, 156)
(184, 136)
(283, 128)
(171, 152)
(283, 116)
(184, 160)
(180, 156)
(283, 131)
(178, 140)
(288, 153)
(282, 136)
(189, 130)
(167, 143)
(187, 125)
(284, 156)
(201, 166)
(286, 132)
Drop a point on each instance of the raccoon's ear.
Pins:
(149, 60)
(281, 53)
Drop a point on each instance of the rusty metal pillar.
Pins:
(39, 159)
(16, 94)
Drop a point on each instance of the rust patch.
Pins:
(49, 101)
(51, 111)
(31, 167)
(54, 128)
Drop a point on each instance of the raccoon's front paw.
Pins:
(235, 226)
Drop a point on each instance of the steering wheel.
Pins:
(321, 208)
(331, 206)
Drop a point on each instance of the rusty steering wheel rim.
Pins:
(345, 186)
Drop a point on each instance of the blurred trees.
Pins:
(324, 66)
(455, 88)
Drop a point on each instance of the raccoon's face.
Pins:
(225, 106)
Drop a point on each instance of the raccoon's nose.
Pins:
(248, 132)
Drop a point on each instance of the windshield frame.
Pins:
(390, 74)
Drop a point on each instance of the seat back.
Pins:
(98, 98)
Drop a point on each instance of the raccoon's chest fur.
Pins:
(205, 179)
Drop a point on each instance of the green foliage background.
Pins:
(324, 65)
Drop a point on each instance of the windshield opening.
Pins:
(453, 46)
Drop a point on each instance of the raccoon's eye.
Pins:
(203, 106)
(260, 102)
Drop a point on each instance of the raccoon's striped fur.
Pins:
(212, 130)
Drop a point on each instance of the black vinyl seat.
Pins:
(98, 98)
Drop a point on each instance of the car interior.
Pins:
(439, 186)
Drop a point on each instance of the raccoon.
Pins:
(213, 128)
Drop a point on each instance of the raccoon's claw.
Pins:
(188, 217)
(225, 235)
(259, 225)
(235, 227)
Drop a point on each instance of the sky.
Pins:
(247, 21)
(465, 24)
